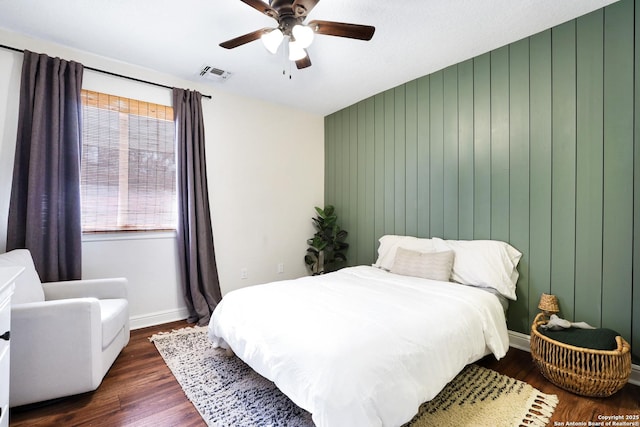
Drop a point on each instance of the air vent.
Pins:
(213, 73)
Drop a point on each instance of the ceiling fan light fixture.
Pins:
(291, 15)
(296, 52)
(272, 40)
(303, 35)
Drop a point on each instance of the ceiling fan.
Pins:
(290, 15)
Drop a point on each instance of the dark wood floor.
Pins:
(139, 390)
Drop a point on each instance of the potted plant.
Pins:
(327, 247)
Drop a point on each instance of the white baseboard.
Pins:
(519, 340)
(522, 342)
(158, 318)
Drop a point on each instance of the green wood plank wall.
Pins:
(519, 172)
(436, 155)
(465, 150)
(481, 147)
(539, 251)
(536, 143)
(563, 164)
(589, 171)
(617, 241)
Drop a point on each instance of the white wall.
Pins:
(265, 165)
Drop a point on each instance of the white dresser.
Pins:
(7, 278)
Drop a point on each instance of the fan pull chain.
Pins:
(285, 59)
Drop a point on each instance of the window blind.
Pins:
(128, 170)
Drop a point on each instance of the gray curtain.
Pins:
(44, 209)
(198, 269)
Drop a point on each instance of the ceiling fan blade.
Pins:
(307, 6)
(304, 62)
(262, 7)
(239, 41)
(341, 29)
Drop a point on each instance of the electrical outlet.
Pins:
(280, 268)
(244, 273)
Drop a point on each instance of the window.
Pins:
(128, 169)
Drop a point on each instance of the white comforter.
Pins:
(360, 346)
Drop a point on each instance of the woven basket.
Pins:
(583, 371)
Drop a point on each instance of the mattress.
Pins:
(360, 346)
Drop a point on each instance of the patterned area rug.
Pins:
(482, 397)
(227, 392)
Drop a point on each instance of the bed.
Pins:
(366, 345)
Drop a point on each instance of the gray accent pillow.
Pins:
(428, 265)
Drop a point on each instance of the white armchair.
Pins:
(64, 335)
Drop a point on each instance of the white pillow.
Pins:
(390, 243)
(428, 265)
(485, 263)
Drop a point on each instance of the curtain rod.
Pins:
(109, 72)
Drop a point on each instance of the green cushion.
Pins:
(596, 339)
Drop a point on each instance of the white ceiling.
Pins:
(413, 38)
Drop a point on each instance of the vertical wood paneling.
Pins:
(563, 184)
(617, 239)
(389, 162)
(344, 184)
(351, 214)
(540, 169)
(361, 240)
(482, 147)
(424, 173)
(411, 158)
(500, 144)
(367, 216)
(450, 152)
(465, 154)
(330, 157)
(339, 157)
(379, 187)
(436, 144)
(519, 162)
(589, 160)
(536, 143)
(400, 161)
